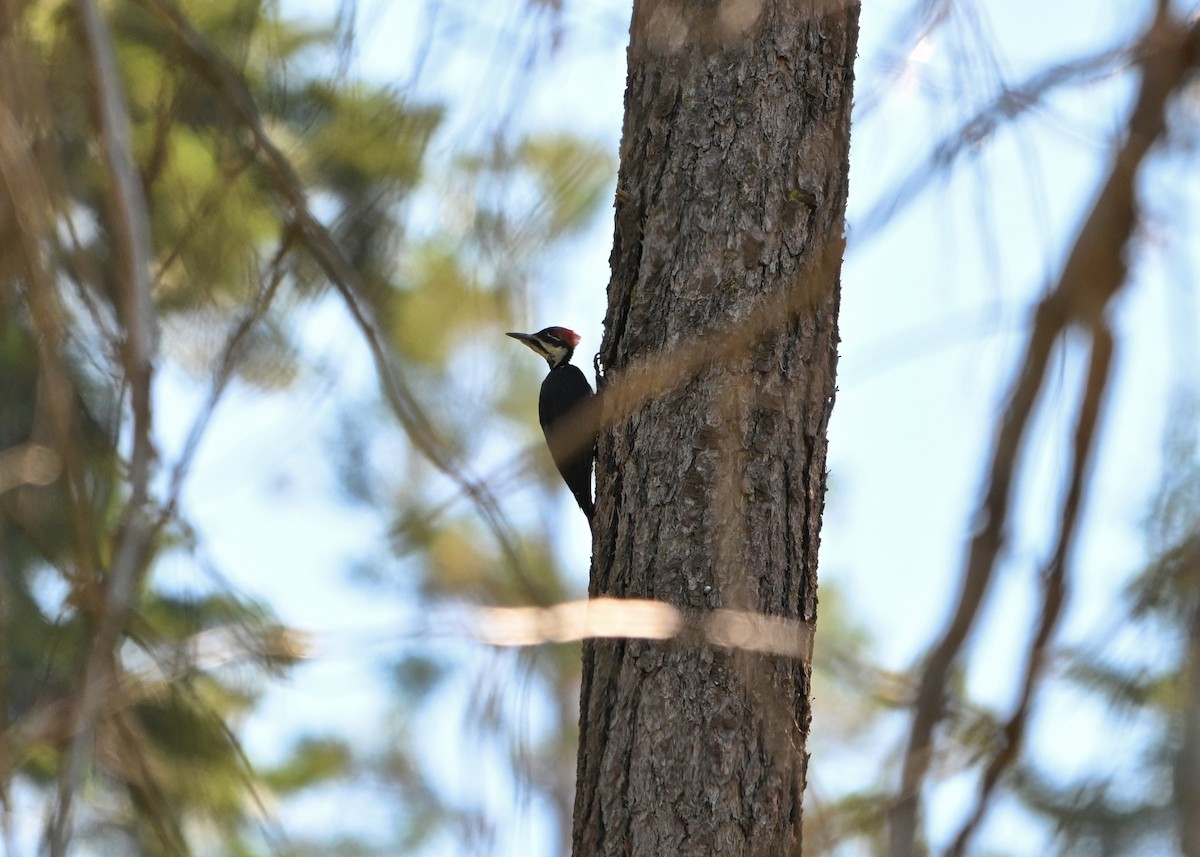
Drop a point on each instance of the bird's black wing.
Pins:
(572, 445)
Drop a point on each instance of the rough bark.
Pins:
(711, 476)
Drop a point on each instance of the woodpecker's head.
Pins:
(556, 344)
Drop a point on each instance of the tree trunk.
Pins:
(719, 356)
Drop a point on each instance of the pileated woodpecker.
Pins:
(573, 442)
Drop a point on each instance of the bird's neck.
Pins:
(557, 362)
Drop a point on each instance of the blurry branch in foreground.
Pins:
(1092, 276)
(635, 618)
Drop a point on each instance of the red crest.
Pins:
(566, 335)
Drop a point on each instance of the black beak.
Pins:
(524, 337)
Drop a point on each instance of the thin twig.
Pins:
(131, 224)
(222, 375)
(1008, 105)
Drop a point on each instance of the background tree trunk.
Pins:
(719, 356)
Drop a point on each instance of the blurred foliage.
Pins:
(311, 762)
(440, 249)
